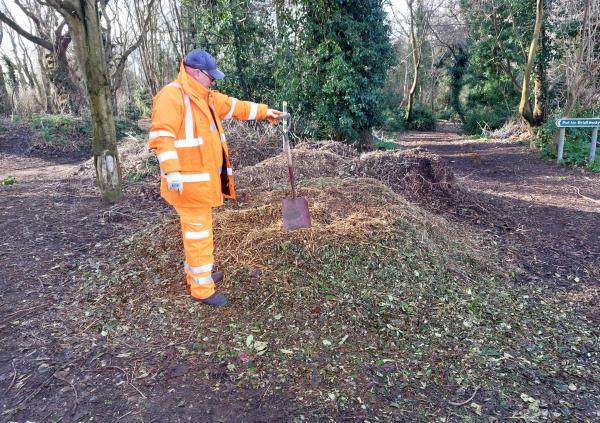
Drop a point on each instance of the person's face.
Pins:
(203, 77)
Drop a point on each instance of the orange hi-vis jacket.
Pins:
(187, 137)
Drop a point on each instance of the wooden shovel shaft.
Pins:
(288, 152)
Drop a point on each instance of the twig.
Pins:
(458, 404)
(37, 391)
(14, 376)
(140, 392)
(128, 381)
(263, 301)
(90, 325)
(587, 198)
(124, 415)
(28, 310)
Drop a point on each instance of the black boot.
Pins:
(215, 300)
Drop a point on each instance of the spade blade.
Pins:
(295, 213)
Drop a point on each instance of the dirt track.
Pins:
(548, 214)
(52, 220)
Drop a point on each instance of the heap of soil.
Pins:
(307, 164)
(416, 173)
(343, 150)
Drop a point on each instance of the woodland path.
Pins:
(52, 222)
(548, 216)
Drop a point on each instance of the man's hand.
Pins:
(174, 182)
(274, 116)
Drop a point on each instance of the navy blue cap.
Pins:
(200, 59)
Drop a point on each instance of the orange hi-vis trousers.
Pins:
(197, 234)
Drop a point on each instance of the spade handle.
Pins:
(288, 151)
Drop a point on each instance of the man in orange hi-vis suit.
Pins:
(188, 139)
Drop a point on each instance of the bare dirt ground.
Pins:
(53, 222)
(544, 215)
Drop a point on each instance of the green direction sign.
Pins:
(577, 123)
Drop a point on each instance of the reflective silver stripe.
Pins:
(213, 127)
(199, 269)
(253, 110)
(156, 134)
(189, 120)
(195, 177)
(194, 142)
(230, 114)
(223, 138)
(197, 235)
(190, 177)
(173, 84)
(229, 170)
(167, 155)
(203, 281)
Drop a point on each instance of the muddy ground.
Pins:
(52, 221)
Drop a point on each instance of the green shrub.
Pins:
(393, 120)
(126, 126)
(72, 134)
(139, 105)
(61, 130)
(385, 145)
(9, 180)
(423, 119)
(476, 120)
(445, 114)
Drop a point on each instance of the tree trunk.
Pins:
(405, 84)
(85, 26)
(60, 75)
(416, 56)
(525, 109)
(5, 107)
(540, 87)
(366, 139)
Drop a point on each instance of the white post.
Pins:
(561, 145)
(594, 142)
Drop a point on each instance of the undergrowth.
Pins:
(72, 134)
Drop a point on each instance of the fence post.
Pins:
(561, 145)
(594, 142)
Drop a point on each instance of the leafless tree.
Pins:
(50, 32)
(5, 106)
(125, 25)
(160, 48)
(582, 56)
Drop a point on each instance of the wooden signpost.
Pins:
(577, 123)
